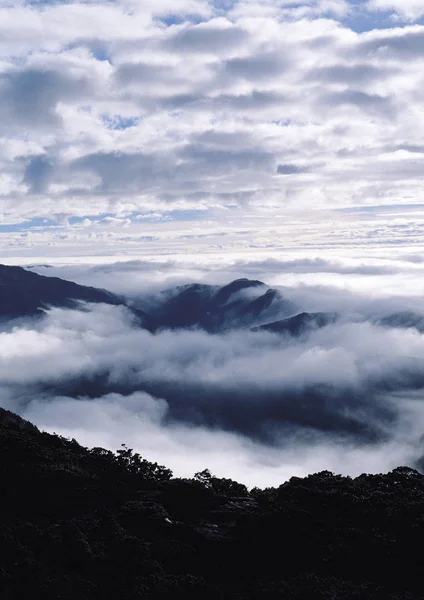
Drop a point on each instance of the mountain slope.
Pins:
(299, 324)
(93, 524)
(403, 320)
(242, 303)
(24, 294)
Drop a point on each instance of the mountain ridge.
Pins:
(212, 308)
(91, 523)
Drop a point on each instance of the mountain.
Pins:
(242, 303)
(90, 524)
(23, 294)
(299, 324)
(403, 320)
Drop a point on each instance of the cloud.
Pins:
(132, 109)
(353, 74)
(407, 9)
(37, 173)
(115, 169)
(30, 97)
(373, 104)
(257, 67)
(395, 43)
(214, 37)
(290, 169)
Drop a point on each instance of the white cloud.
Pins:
(407, 9)
(137, 420)
(139, 107)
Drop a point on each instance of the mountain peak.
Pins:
(235, 286)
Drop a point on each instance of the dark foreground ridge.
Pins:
(86, 524)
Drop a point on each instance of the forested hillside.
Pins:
(80, 523)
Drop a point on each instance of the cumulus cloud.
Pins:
(259, 107)
(408, 9)
(37, 173)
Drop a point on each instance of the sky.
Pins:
(132, 128)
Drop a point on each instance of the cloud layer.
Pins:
(123, 123)
(254, 406)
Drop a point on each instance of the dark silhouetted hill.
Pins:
(299, 324)
(26, 294)
(242, 303)
(403, 320)
(88, 524)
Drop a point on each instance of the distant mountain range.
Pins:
(23, 293)
(299, 324)
(403, 320)
(26, 294)
(242, 304)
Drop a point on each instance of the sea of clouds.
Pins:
(254, 406)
